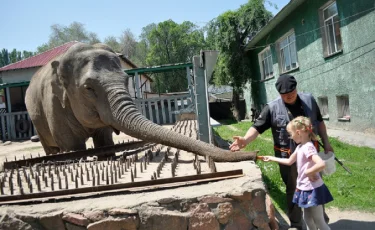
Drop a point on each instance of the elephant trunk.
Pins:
(129, 120)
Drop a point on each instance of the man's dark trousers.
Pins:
(289, 175)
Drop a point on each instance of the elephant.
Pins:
(83, 93)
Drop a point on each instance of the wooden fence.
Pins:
(160, 110)
(18, 126)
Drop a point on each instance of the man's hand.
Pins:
(328, 148)
(238, 144)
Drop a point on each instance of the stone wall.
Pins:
(245, 210)
(238, 203)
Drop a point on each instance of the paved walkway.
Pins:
(353, 138)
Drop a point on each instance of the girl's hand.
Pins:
(267, 158)
(313, 178)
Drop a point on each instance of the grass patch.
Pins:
(350, 191)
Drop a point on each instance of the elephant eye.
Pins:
(88, 88)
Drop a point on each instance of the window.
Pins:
(288, 53)
(343, 112)
(323, 106)
(330, 23)
(266, 64)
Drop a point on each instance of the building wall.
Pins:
(19, 75)
(351, 72)
(141, 80)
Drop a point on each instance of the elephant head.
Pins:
(92, 83)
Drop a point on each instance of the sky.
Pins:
(25, 24)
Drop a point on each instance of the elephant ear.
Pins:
(58, 88)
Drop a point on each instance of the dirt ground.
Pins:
(343, 220)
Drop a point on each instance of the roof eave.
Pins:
(279, 17)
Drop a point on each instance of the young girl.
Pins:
(311, 192)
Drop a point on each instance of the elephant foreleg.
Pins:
(103, 137)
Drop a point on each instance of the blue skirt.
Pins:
(315, 197)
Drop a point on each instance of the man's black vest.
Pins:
(280, 119)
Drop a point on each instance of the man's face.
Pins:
(289, 98)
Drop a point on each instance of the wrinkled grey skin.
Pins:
(83, 94)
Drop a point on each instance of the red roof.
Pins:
(40, 59)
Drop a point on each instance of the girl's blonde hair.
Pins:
(303, 124)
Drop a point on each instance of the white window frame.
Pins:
(343, 107)
(328, 50)
(261, 60)
(323, 106)
(279, 50)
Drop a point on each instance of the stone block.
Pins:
(129, 223)
(76, 219)
(52, 221)
(239, 222)
(94, 216)
(225, 212)
(8, 222)
(122, 212)
(214, 200)
(70, 226)
(161, 220)
(203, 219)
(261, 222)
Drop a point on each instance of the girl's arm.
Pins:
(283, 161)
(319, 166)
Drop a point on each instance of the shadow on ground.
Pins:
(352, 225)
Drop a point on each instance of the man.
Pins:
(276, 115)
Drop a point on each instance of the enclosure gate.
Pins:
(160, 110)
(16, 126)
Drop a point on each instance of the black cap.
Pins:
(286, 83)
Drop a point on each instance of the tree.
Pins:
(231, 31)
(143, 46)
(4, 58)
(112, 42)
(128, 43)
(170, 43)
(62, 34)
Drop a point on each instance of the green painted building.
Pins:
(329, 46)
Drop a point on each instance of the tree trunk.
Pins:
(236, 105)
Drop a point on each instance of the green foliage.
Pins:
(229, 34)
(350, 191)
(168, 43)
(62, 34)
(112, 42)
(7, 58)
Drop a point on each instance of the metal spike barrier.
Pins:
(65, 174)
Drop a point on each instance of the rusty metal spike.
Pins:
(23, 157)
(71, 176)
(107, 176)
(11, 187)
(155, 175)
(93, 180)
(2, 187)
(98, 178)
(131, 175)
(119, 173)
(45, 181)
(21, 189)
(59, 181)
(112, 179)
(52, 184)
(135, 170)
(172, 170)
(141, 167)
(81, 179)
(6, 159)
(66, 182)
(15, 158)
(76, 181)
(87, 175)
